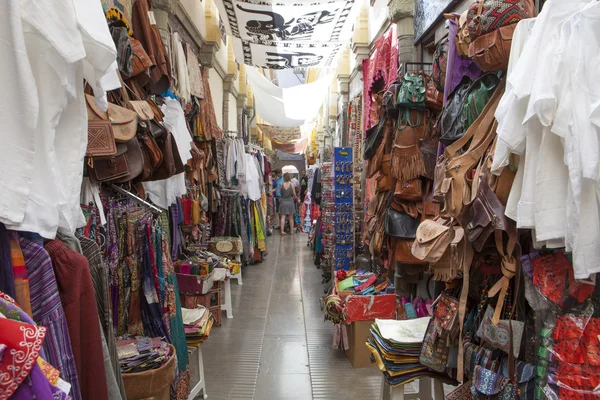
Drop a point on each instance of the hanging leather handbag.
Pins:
(171, 163)
(459, 162)
(451, 124)
(440, 62)
(142, 108)
(123, 121)
(434, 99)
(400, 225)
(403, 253)
(478, 95)
(485, 16)
(409, 190)
(373, 138)
(385, 148)
(101, 142)
(462, 39)
(456, 259)
(141, 60)
(138, 164)
(432, 239)
(407, 159)
(491, 51)
(484, 215)
(153, 152)
(110, 168)
(385, 181)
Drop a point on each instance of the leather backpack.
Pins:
(491, 51)
(477, 97)
(451, 123)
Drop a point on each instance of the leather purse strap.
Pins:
(482, 123)
(508, 268)
(462, 308)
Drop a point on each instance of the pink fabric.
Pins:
(383, 63)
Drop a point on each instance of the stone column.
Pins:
(402, 13)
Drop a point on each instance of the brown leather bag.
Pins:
(485, 215)
(403, 252)
(123, 121)
(110, 168)
(150, 146)
(375, 164)
(136, 162)
(171, 163)
(409, 190)
(141, 60)
(434, 99)
(101, 142)
(491, 51)
(458, 162)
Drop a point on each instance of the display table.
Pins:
(197, 371)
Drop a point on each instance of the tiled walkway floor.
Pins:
(277, 345)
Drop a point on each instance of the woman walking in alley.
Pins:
(287, 207)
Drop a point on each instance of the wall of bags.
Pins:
(483, 185)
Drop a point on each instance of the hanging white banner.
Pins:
(280, 55)
(267, 21)
(287, 107)
(279, 34)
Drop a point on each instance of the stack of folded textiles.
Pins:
(360, 282)
(197, 323)
(395, 346)
(141, 354)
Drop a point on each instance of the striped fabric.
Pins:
(99, 272)
(47, 311)
(22, 294)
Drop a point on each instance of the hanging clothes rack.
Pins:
(230, 191)
(136, 198)
(251, 146)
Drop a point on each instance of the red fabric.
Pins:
(367, 308)
(79, 302)
(23, 344)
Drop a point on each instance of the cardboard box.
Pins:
(358, 354)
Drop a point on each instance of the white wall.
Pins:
(377, 16)
(233, 124)
(216, 89)
(195, 11)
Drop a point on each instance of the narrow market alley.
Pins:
(277, 346)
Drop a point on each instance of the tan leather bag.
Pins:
(457, 257)
(460, 160)
(491, 51)
(123, 121)
(462, 33)
(433, 238)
